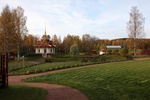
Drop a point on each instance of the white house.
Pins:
(45, 46)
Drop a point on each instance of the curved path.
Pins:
(55, 92)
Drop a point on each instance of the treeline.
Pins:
(88, 43)
(14, 37)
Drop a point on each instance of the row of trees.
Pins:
(92, 43)
(85, 44)
(14, 35)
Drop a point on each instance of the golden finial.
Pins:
(45, 29)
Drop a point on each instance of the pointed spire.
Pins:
(45, 29)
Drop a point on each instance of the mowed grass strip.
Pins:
(112, 81)
(21, 92)
(47, 67)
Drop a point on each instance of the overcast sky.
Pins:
(105, 19)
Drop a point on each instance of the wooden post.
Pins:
(4, 71)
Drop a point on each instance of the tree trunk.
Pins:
(134, 47)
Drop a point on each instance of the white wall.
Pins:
(36, 50)
(41, 50)
(48, 50)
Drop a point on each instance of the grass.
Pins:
(16, 68)
(29, 61)
(18, 65)
(112, 81)
(47, 67)
(21, 92)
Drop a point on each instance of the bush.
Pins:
(84, 60)
(129, 57)
(109, 51)
(48, 60)
(115, 52)
(98, 59)
(123, 52)
(74, 49)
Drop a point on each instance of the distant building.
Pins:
(45, 46)
(113, 47)
(104, 51)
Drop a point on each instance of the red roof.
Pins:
(49, 44)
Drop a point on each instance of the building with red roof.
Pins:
(45, 45)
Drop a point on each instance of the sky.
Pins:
(105, 19)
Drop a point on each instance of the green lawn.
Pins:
(16, 68)
(112, 81)
(47, 67)
(21, 92)
(18, 65)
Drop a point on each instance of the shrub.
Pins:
(48, 60)
(109, 51)
(115, 51)
(74, 49)
(84, 60)
(129, 57)
(98, 59)
(123, 52)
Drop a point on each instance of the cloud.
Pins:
(77, 17)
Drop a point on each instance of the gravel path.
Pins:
(55, 92)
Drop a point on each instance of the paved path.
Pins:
(55, 92)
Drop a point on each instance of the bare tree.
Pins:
(135, 26)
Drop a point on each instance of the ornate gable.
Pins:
(45, 42)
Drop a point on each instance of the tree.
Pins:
(103, 47)
(12, 30)
(21, 28)
(135, 26)
(7, 30)
(29, 41)
(67, 43)
(88, 43)
(129, 43)
(74, 49)
(57, 42)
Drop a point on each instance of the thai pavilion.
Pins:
(45, 46)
